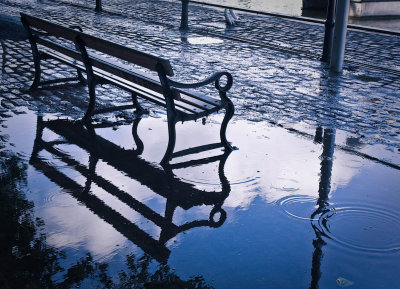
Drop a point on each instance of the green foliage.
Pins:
(25, 259)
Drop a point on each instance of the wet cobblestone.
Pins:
(301, 37)
(270, 84)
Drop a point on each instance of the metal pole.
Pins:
(185, 15)
(328, 38)
(339, 37)
(98, 6)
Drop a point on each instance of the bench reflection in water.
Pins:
(160, 180)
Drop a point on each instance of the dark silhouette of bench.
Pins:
(106, 62)
(161, 181)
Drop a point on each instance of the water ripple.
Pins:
(365, 228)
(51, 196)
(207, 182)
(299, 206)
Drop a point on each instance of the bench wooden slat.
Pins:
(124, 67)
(52, 28)
(147, 81)
(139, 58)
(60, 48)
(148, 94)
(145, 92)
(197, 103)
(118, 70)
(199, 96)
(65, 59)
(108, 47)
(150, 86)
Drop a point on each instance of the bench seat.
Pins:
(188, 103)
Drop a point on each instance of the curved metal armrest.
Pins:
(36, 34)
(216, 78)
(76, 27)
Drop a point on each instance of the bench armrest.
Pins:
(40, 33)
(76, 27)
(216, 78)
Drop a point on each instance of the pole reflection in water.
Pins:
(327, 137)
(162, 181)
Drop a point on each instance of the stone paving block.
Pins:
(6, 104)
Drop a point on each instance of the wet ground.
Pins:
(295, 7)
(309, 200)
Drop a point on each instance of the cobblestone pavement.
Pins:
(271, 83)
(274, 32)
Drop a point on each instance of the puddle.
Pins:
(280, 194)
(204, 40)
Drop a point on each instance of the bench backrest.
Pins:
(51, 28)
(110, 48)
(133, 56)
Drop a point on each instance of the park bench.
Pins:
(106, 62)
(59, 139)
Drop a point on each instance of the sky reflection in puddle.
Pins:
(293, 206)
(203, 40)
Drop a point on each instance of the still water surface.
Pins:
(282, 211)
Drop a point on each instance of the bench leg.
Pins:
(80, 77)
(171, 141)
(38, 73)
(136, 138)
(136, 104)
(92, 99)
(230, 110)
(35, 54)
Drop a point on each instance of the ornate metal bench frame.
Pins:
(181, 103)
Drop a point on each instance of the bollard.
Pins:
(185, 15)
(339, 36)
(328, 38)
